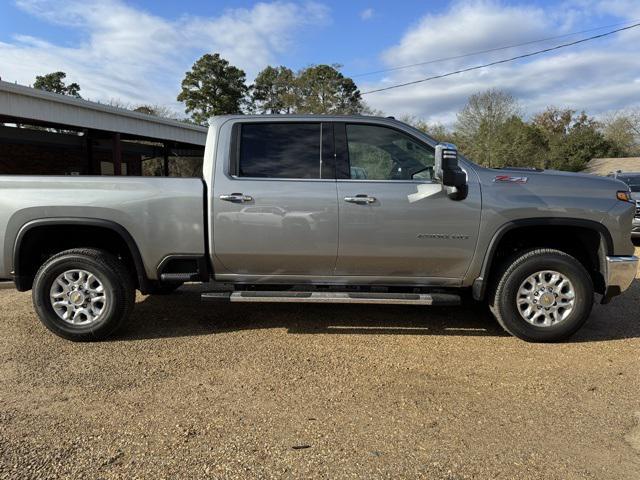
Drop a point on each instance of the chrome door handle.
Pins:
(360, 199)
(236, 197)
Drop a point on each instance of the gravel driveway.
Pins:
(193, 390)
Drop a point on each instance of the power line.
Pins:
(480, 52)
(477, 67)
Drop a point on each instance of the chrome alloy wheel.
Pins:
(78, 297)
(545, 298)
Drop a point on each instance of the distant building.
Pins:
(603, 166)
(44, 133)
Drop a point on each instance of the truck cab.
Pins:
(357, 201)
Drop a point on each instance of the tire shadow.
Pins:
(183, 314)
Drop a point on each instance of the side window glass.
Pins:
(279, 150)
(381, 153)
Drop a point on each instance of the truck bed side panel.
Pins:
(163, 215)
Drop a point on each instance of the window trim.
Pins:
(342, 154)
(327, 161)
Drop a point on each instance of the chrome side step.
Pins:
(335, 297)
(180, 277)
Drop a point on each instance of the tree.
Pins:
(479, 121)
(622, 129)
(582, 142)
(54, 82)
(274, 90)
(156, 111)
(323, 89)
(519, 144)
(212, 87)
(435, 130)
(554, 120)
(572, 139)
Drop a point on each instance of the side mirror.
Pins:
(448, 172)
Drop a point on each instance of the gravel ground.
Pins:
(193, 390)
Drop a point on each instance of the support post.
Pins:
(117, 155)
(165, 161)
(88, 143)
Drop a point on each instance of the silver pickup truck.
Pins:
(321, 209)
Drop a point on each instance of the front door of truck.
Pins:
(395, 220)
(275, 209)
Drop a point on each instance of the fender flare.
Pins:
(93, 222)
(479, 287)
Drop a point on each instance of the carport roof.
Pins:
(20, 102)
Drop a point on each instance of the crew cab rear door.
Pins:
(274, 205)
(395, 220)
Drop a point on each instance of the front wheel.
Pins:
(83, 294)
(543, 295)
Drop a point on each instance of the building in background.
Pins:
(43, 133)
(604, 166)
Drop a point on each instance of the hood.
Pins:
(549, 186)
(571, 179)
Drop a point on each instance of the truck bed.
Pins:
(163, 215)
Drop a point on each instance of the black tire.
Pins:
(502, 300)
(163, 288)
(116, 281)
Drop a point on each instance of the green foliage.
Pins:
(478, 125)
(274, 91)
(437, 131)
(572, 139)
(322, 89)
(54, 82)
(319, 89)
(212, 87)
(155, 110)
(491, 131)
(518, 144)
(622, 130)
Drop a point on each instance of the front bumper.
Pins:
(621, 271)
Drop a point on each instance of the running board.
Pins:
(437, 299)
(180, 277)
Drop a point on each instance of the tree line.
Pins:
(490, 129)
(214, 87)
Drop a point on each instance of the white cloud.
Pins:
(367, 14)
(138, 57)
(597, 76)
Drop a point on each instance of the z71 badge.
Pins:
(510, 179)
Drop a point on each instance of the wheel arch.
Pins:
(514, 227)
(24, 278)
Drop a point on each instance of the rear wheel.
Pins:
(83, 294)
(542, 295)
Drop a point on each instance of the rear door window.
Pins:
(280, 150)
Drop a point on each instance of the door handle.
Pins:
(360, 199)
(236, 197)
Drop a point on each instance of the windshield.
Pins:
(632, 180)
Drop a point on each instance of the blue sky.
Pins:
(136, 51)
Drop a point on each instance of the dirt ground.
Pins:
(193, 390)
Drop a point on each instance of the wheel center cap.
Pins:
(547, 299)
(77, 298)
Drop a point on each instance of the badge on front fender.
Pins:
(510, 179)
